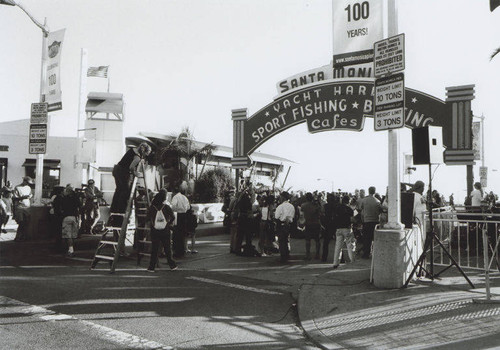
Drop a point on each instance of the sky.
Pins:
(190, 62)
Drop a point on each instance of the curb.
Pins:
(306, 318)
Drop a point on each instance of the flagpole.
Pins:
(107, 72)
(81, 110)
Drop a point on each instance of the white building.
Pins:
(102, 145)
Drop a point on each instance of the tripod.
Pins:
(429, 245)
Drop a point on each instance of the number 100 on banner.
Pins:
(389, 102)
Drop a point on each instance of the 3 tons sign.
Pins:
(390, 102)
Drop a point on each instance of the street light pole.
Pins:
(43, 72)
(39, 157)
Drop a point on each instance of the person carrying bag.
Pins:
(161, 217)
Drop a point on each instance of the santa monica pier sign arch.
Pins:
(343, 104)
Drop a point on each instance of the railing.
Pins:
(461, 229)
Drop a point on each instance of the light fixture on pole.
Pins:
(45, 32)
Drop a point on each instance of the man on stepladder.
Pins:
(124, 172)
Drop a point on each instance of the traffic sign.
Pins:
(38, 139)
(389, 55)
(389, 102)
(39, 113)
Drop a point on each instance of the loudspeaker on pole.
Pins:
(427, 145)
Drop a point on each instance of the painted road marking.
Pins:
(127, 340)
(232, 285)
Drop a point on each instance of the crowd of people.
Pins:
(319, 217)
(348, 219)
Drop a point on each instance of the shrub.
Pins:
(212, 186)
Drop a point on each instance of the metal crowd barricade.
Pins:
(461, 229)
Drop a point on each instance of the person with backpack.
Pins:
(161, 217)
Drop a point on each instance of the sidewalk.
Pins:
(342, 310)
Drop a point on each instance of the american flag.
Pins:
(98, 72)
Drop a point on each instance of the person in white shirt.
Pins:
(476, 196)
(180, 205)
(419, 204)
(22, 201)
(285, 212)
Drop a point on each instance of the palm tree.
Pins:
(181, 151)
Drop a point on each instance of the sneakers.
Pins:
(70, 255)
(173, 267)
(335, 266)
(151, 270)
(194, 251)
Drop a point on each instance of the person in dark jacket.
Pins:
(329, 208)
(161, 235)
(244, 231)
(312, 215)
(123, 172)
(70, 205)
(343, 219)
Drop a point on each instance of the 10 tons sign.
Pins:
(389, 102)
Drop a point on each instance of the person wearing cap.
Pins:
(285, 212)
(21, 201)
(91, 208)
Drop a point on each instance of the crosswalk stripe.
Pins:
(127, 340)
(233, 285)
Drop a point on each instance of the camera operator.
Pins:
(91, 213)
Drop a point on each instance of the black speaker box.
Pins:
(427, 145)
(407, 199)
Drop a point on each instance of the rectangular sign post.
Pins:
(38, 139)
(389, 55)
(389, 102)
(39, 113)
(356, 26)
(390, 90)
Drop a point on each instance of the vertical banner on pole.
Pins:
(476, 140)
(356, 26)
(52, 83)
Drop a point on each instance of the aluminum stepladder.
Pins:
(113, 236)
(142, 203)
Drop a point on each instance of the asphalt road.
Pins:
(215, 300)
